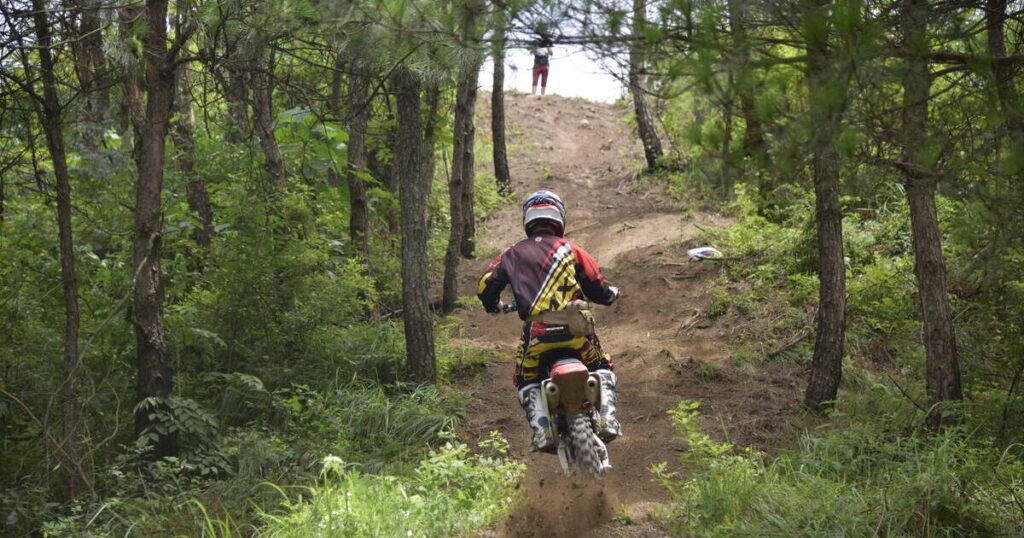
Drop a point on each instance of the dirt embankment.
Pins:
(664, 346)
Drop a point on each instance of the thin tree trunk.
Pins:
(133, 104)
(827, 362)
(263, 110)
(334, 109)
(185, 158)
(155, 378)
(753, 137)
(637, 60)
(500, 153)
(50, 117)
(1002, 71)
(728, 170)
(942, 364)
(467, 242)
(90, 63)
(432, 102)
(236, 93)
(359, 113)
(413, 195)
(449, 286)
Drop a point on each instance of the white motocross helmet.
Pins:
(544, 206)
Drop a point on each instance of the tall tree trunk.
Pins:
(50, 117)
(236, 81)
(334, 109)
(467, 243)
(155, 378)
(263, 110)
(90, 63)
(827, 363)
(637, 60)
(432, 102)
(359, 114)
(392, 182)
(753, 137)
(185, 158)
(942, 364)
(1002, 72)
(728, 181)
(413, 195)
(449, 285)
(500, 153)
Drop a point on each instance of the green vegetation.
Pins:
(449, 493)
(872, 469)
(863, 476)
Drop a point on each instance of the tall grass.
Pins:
(857, 480)
(450, 492)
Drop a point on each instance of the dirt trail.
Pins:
(657, 334)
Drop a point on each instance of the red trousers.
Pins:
(540, 71)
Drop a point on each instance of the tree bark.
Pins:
(500, 152)
(334, 109)
(413, 195)
(432, 101)
(753, 137)
(359, 114)
(1002, 71)
(449, 285)
(185, 158)
(155, 378)
(827, 362)
(236, 93)
(50, 118)
(942, 364)
(263, 110)
(90, 64)
(637, 64)
(467, 244)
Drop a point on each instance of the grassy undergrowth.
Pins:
(872, 469)
(862, 476)
(451, 492)
(349, 456)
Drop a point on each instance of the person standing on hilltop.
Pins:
(541, 62)
(550, 277)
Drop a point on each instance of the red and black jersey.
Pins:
(546, 273)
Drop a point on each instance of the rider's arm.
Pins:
(494, 280)
(590, 279)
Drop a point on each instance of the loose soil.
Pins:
(664, 345)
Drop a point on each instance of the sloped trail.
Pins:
(664, 346)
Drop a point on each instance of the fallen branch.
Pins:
(800, 337)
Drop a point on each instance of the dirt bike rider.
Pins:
(547, 272)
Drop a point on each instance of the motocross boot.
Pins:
(532, 401)
(610, 429)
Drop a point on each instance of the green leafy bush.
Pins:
(450, 492)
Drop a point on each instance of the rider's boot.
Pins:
(531, 399)
(610, 429)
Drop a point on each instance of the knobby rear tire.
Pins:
(589, 452)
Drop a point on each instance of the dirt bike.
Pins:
(572, 396)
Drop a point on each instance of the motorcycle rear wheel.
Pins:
(589, 453)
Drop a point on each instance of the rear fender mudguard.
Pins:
(569, 387)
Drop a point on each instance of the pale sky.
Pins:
(572, 74)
